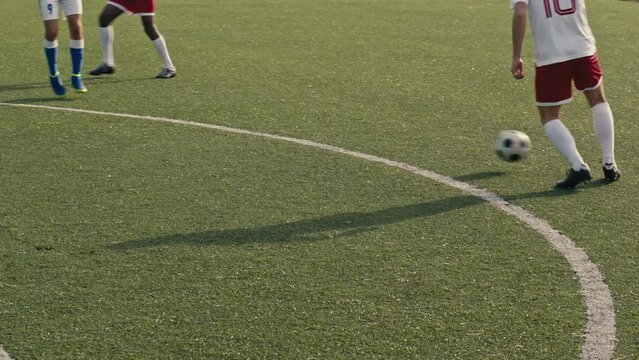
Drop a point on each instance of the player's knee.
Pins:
(104, 20)
(548, 113)
(151, 31)
(596, 101)
(51, 35)
(595, 97)
(76, 32)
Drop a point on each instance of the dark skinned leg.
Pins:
(108, 14)
(148, 22)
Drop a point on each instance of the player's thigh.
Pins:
(548, 113)
(587, 73)
(75, 26)
(71, 7)
(595, 96)
(588, 76)
(553, 84)
(49, 9)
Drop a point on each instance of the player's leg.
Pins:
(564, 142)
(109, 13)
(73, 11)
(553, 85)
(51, 45)
(560, 136)
(604, 125)
(50, 10)
(589, 79)
(76, 49)
(148, 22)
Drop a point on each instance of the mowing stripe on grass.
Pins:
(599, 337)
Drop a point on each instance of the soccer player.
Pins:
(565, 51)
(146, 10)
(72, 9)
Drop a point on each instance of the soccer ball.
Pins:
(512, 145)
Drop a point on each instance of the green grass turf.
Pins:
(126, 239)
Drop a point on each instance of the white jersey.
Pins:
(560, 30)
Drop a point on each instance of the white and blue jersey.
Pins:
(50, 9)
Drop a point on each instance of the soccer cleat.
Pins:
(166, 73)
(611, 172)
(102, 69)
(57, 85)
(574, 178)
(78, 85)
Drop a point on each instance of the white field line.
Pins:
(3, 354)
(599, 338)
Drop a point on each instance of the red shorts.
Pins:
(553, 83)
(138, 7)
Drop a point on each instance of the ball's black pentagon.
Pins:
(514, 157)
(507, 143)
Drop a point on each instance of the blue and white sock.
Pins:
(76, 47)
(51, 51)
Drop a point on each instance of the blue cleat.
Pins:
(78, 85)
(57, 85)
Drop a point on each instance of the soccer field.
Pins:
(318, 182)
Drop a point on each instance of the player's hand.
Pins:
(517, 68)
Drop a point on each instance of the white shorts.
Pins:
(50, 9)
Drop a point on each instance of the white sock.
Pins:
(76, 44)
(50, 44)
(604, 125)
(563, 140)
(160, 46)
(107, 36)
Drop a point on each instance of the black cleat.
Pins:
(574, 178)
(611, 172)
(102, 69)
(166, 73)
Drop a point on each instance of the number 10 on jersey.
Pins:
(556, 5)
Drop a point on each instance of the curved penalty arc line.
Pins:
(3, 354)
(599, 337)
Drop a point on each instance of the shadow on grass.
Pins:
(71, 95)
(87, 80)
(540, 194)
(18, 87)
(556, 192)
(113, 79)
(53, 98)
(599, 182)
(345, 224)
(332, 226)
